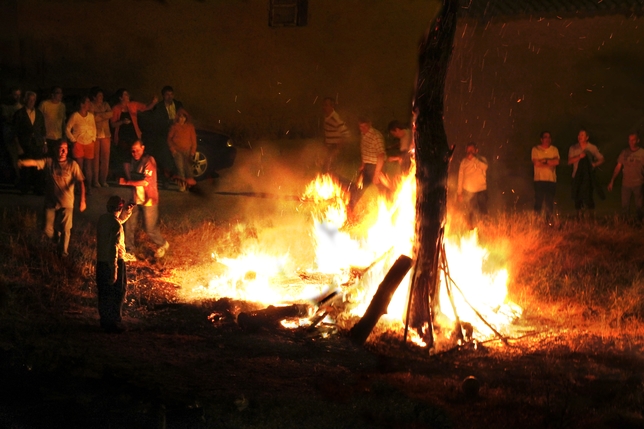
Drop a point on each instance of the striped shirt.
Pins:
(335, 130)
(371, 146)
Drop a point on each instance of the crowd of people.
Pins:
(584, 157)
(51, 150)
(63, 154)
(98, 135)
(471, 192)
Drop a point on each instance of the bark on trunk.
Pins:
(432, 163)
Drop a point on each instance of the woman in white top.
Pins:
(81, 132)
(102, 114)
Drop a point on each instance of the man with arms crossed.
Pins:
(545, 159)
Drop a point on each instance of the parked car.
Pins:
(215, 150)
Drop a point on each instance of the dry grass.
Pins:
(583, 279)
(590, 270)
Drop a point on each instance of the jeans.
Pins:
(58, 226)
(544, 193)
(111, 293)
(476, 203)
(330, 161)
(636, 192)
(368, 173)
(183, 162)
(150, 226)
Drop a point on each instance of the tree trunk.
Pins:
(432, 163)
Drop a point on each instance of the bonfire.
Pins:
(351, 260)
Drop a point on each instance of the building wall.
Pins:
(510, 78)
(226, 64)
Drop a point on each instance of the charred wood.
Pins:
(270, 317)
(381, 299)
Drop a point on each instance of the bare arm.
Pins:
(544, 163)
(83, 204)
(616, 171)
(69, 128)
(126, 182)
(27, 163)
(379, 164)
(107, 114)
(115, 120)
(599, 162)
(153, 103)
(572, 160)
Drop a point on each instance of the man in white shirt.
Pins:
(406, 141)
(545, 159)
(472, 183)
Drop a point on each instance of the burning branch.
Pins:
(381, 299)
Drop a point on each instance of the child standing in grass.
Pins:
(110, 266)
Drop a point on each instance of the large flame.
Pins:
(369, 249)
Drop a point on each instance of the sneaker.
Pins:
(160, 253)
(128, 257)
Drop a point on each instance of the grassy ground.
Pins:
(573, 359)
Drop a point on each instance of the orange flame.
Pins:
(371, 248)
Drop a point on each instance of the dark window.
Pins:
(288, 13)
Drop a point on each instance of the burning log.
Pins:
(270, 317)
(324, 307)
(432, 163)
(381, 299)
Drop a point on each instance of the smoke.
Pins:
(263, 190)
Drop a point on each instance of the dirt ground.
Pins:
(190, 365)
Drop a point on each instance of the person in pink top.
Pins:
(182, 141)
(125, 123)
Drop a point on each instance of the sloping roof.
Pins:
(485, 9)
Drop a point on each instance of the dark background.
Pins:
(512, 74)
